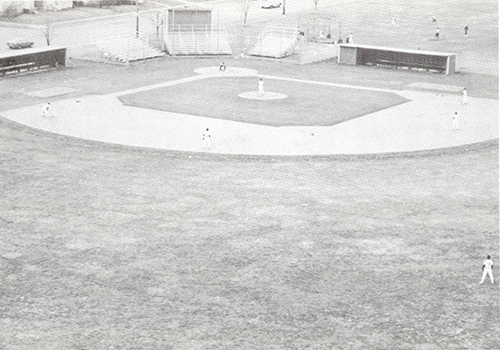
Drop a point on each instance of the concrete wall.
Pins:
(347, 54)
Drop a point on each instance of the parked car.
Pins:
(19, 43)
(272, 5)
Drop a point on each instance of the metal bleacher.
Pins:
(197, 40)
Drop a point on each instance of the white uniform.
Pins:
(487, 265)
(261, 87)
(464, 97)
(455, 121)
(45, 110)
(207, 140)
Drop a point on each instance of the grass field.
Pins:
(306, 104)
(108, 246)
(115, 247)
(111, 247)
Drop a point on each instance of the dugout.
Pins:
(28, 59)
(399, 58)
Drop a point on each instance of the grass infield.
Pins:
(306, 104)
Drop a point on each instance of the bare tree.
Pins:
(48, 32)
(246, 8)
(315, 5)
(157, 21)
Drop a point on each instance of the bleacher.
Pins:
(127, 47)
(198, 42)
(276, 42)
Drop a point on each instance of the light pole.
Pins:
(284, 3)
(137, 18)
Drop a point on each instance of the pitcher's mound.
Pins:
(254, 95)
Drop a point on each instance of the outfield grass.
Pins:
(306, 104)
(106, 246)
(114, 247)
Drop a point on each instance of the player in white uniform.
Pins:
(207, 140)
(261, 87)
(464, 96)
(45, 110)
(487, 269)
(455, 121)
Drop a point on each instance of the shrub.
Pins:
(11, 12)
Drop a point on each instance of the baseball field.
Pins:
(106, 246)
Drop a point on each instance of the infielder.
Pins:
(207, 142)
(464, 96)
(455, 121)
(487, 269)
(261, 87)
(45, 110)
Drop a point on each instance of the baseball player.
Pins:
(487, 269)
(207, 140)
(455, 121)
(45, 110)
(261, 87)
(464, 96)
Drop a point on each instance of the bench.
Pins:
(17, 67)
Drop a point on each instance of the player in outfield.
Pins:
(487, 269)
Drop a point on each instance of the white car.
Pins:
(271, 5)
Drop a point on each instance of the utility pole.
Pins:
(137, 18)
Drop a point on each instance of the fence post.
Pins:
(128, 52)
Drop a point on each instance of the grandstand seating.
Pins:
(276, 42)
(198, 42)
(127, 47)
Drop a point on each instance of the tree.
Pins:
(48, 33)
(246, 8)
(315, 5)
(157, 21)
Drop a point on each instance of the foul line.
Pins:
(160, 85)
(329, 84)
(206, 76)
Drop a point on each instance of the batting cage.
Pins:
(318, 41)
(276, 42)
